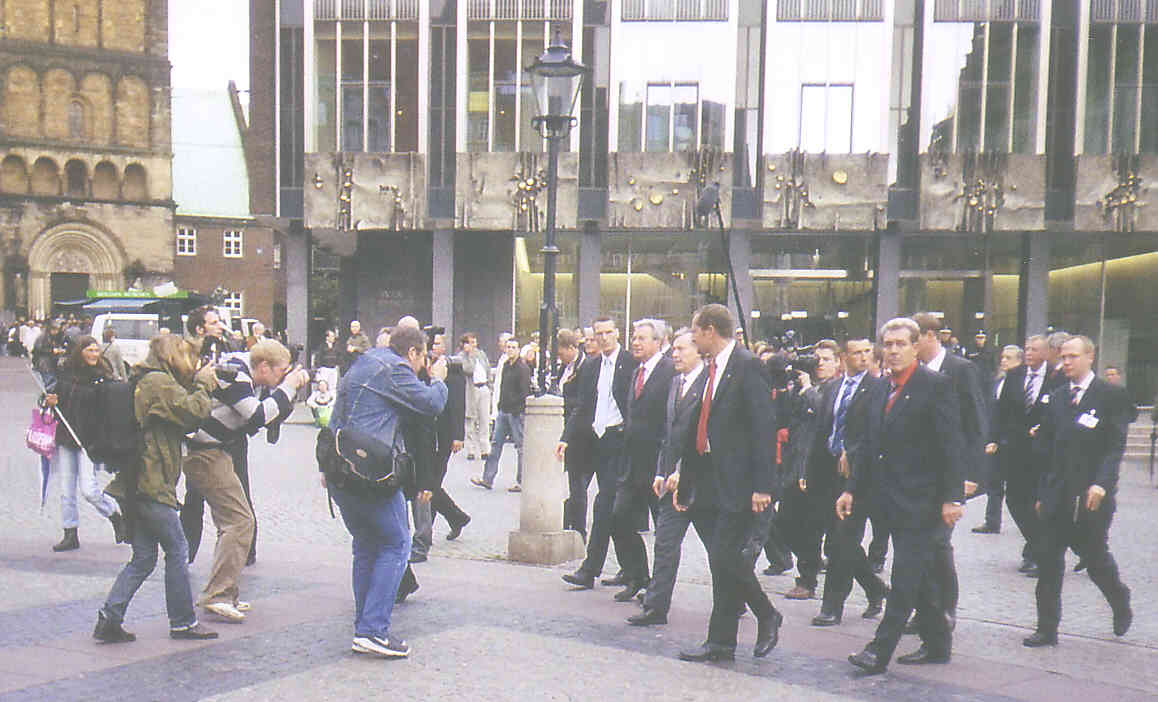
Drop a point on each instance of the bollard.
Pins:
(540, 538)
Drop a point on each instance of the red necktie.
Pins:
(706, 411)
(638, 382)
(892, 398)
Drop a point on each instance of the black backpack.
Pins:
(117, 439)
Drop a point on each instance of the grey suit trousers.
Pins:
(671, 528)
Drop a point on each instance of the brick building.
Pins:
(85, 153)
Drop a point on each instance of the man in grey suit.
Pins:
(683, 409)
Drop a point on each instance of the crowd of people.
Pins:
(787, 451)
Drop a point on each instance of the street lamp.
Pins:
(556, 80)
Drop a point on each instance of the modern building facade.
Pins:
(986, 159)
(85, 155)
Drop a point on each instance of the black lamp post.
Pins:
(556, 80)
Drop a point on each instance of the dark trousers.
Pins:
(996, 495)
(847, 562)
(1020, 495)
(802, 527)
(670, 530)
(879, 547)
(193, 510)
(776, 549)
(575, 506)
(733, 578)
(1088, 537)
(945, 571)
(440, 501)
(914, 587)
(609, 459)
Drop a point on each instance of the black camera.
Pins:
(803, 363)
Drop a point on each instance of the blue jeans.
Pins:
(155, 524)
(381, 534)
(77, 470)
(506, 425)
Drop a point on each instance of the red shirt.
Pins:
(899, 382)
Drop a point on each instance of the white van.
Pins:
(133, 332)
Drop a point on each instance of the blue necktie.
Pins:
(836, 441)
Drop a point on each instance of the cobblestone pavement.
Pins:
(483, 628)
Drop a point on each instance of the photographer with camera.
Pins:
(377, 395)
(237, 412)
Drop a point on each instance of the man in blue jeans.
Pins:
(514, 386)
(380, 393)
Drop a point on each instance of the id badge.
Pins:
(1088, 421)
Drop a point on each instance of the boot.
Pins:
(70, 542)
(120, 532)
(108, 631)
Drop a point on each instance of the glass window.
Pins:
(685, 136)
(327, 67)
(186, 241)
(1025, 89)
(998, 87)
(353, 69)
(378, 87)
(826, 119)
(1126, 88)
(232, 244)
(1098, 82)
(1148, 142)
(529, 139)
(506, 85)
(713, 124)
(478, 102)
(630, 117)
(969, 101)
(658, 136)
(234, 303)
(406, 88)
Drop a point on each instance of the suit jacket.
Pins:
(579, 450)
(1011, 424)
(1084, 444)
(450, 425)
(971, 396)
(804, 430)
(579, 422)
(645, 419)
(679, 427)
(741, 436)
(823, 478)
(910, 461)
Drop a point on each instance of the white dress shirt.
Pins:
(649, 365)
(935, 363)
(689, 378)
(722, 359)
(607, 412)
(1082, 385)
(1034, 378)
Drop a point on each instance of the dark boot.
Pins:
(70, 542)
(108, 631)
(120, 532)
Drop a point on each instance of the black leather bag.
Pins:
(357, 460)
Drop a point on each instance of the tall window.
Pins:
(76, 120)
(1122, 80)
(826, 119)
(277, 256)
(232, 245)
(830, 10)
(677, 10)
(664, 117)
(234, 303)
(367, 76)
(186, 241)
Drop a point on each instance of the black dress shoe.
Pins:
(579, 580)
(417, 557)
(826, 619)
(456, 530)
(706, 652)
(1038, 639)
(767, 634)
(868, 661)
(619, 579)
(628, 593)
(777, 568)
(876, 605)
(405, 589)
(922, 656)
(1123, 615)
(982, 529)
(648, 617)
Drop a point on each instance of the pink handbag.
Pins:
(41, 436)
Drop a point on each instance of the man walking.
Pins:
(514, 386)
(907, 458)
(1011, 359)
(604, 382)
(476, 367)
(578, 462)
(732, 483)
(1083, 433)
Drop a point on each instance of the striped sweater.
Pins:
(238, 409)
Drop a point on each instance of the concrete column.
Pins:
(740, 248)
(587, 272)
(297, 286)
(442, 277)
(540, 538)
(886, 278)
(1033, 288)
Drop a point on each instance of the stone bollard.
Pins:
(540, 537)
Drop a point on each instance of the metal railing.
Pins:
(366, 9)
(675, 10)
(547, 10)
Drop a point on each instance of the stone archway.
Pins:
(72, 247)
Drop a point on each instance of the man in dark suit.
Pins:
(449, 432)
(974, 408)
(907, 458)
(845, 410)
(643, 432)
(1083, 434)
(683, 410)
(578, 463)
(604, 383)
(732, 483)
(1011, 359)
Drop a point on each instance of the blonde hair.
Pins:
(270, 351)
(177, 354)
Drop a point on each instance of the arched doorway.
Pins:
(68, 259)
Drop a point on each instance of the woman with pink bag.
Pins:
(74, 396)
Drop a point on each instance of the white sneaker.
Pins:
(388, 647)
(242, 606)
(226, 611)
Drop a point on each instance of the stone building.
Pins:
(85, 172)
(986, 159)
